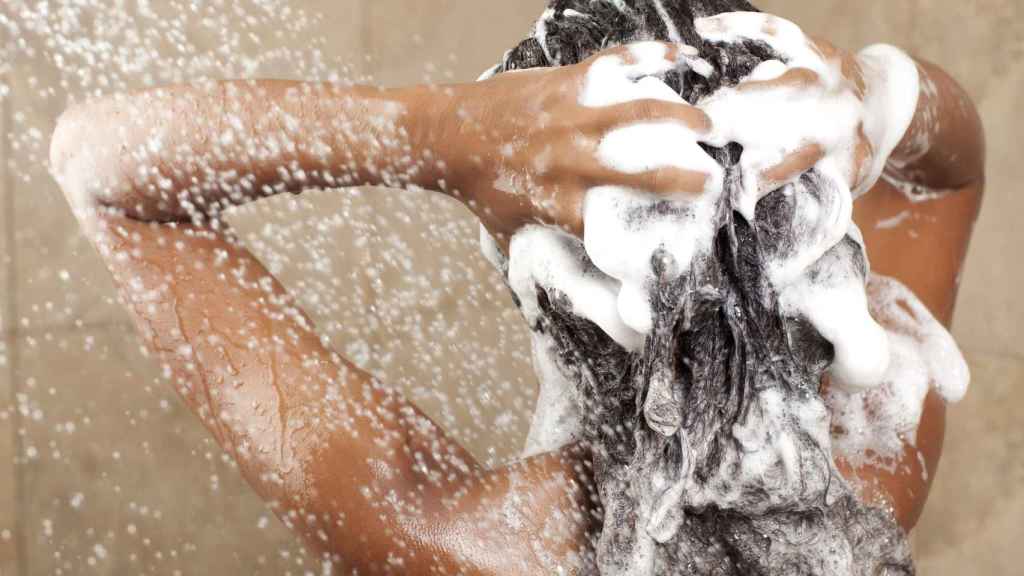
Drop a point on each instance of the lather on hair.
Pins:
(724, 374)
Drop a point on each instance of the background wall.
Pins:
(103, 471)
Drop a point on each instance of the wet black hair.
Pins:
(662, 422)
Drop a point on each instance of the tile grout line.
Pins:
(38, 331)
(20, 538)
(368, 69)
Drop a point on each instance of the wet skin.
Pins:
(319, 439)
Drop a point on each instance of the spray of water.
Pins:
(392, 281)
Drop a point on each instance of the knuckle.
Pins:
(643, 109)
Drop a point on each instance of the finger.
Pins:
(665, 181)
(850, 68)
(792, 79)
(651, 110)
(563, 208)
(619, 74)
(790, 168)
(653, 58)
(863, 153)
(827, 49)
(645, 148)
(785, 37)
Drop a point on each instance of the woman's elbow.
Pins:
(67, 159)
(87, 158)
(76, 161)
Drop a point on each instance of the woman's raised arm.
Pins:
(357, 470)
(367, 480)
(363, 475)
(178, 152)
(518, 148)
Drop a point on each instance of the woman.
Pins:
(357, 470)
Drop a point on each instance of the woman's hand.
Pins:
(529, 143)
(823, 107)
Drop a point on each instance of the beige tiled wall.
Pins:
(9, 521)
(102, 470)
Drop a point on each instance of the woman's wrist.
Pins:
(457, 131)
(430, 122)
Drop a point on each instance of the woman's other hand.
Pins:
(821, 107)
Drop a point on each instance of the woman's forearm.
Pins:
(183, 151)
(944, 147)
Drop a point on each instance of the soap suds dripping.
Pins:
(893, 222)
(872, 426)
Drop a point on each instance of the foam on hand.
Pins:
(894, 88)
(613, 80)
(626, 229)
(608, 276)
(770, 123)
